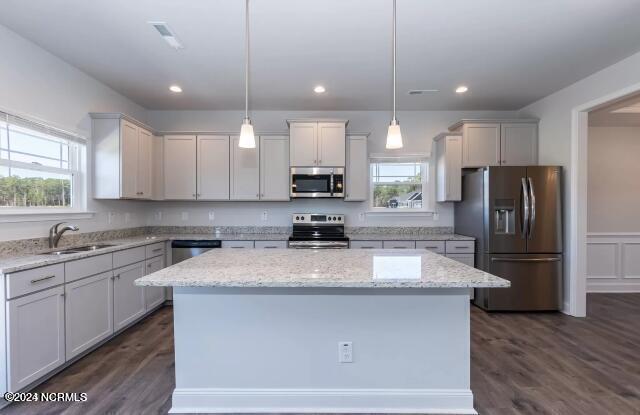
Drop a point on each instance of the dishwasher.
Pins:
(188, 248)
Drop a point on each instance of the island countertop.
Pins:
(340, 268)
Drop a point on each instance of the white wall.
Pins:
(35, 83)
(614, 171)
(555, 130)
(418, 130)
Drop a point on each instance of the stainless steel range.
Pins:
(318, 230)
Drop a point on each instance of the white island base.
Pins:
(277, 350)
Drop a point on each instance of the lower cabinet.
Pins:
(365, 244)
(36, 332)
(467, 259)
(128, 299)
(237, 244)
(153, 296)
(88, 312)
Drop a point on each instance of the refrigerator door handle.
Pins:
(525, 215)
(532, 222)
(525, 259)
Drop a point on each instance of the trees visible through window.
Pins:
(398, 185)
(38, 168)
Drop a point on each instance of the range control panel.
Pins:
(318, 218)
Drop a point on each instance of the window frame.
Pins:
(77, 162)
(425, 183)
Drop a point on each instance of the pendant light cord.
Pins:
(394, 60)
(246, 62)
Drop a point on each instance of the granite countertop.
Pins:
(408, 237)
(340, 268)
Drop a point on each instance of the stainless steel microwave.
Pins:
(317, 182)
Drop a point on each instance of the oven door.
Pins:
(311, 182)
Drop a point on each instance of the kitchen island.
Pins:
(286, 330)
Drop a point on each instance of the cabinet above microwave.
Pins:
(317, 143)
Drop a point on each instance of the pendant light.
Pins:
(247, 138)
(394, 137)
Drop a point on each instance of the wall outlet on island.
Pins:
(345, 352)
(264, 216)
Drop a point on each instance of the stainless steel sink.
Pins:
(78, 249)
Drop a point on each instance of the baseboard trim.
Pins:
(613, 287)
(426, 401)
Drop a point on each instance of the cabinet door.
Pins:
(481, 145)
(357, 186)
(399, 244)
(274, 168)
(245, 171)
(331, 144)
(449, 169)
(36, 336)
(157, 168)
(128, 160)
(88, 312)
(128, 299)
(180, 167)
(213, 167)
(303, 142)
(519, 144)
(144, 164)
(153, 296)
(467, 259)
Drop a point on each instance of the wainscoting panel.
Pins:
(613, 262)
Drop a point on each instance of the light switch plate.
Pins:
(345, 352)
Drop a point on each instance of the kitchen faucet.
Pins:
(55, 234)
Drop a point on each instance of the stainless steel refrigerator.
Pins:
(515, 214)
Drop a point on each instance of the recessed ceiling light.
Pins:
(461, 89)
(319, 89)
(175, 88)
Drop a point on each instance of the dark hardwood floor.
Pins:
(521, 364)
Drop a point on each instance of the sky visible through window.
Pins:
(397, 185)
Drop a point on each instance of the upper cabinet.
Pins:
(317, 143)
(213, 167)
(498, 142)
(357, 169)
(274, 168)
(245, 171)
(122, 157)
(180, 167)
(448, 158)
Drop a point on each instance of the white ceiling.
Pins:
(509, 52)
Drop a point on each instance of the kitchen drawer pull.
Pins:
(157, 250)
(48, 277)
(461, 247)
(270, 247)
(399, 247)
(367, 247)
(525, 259)
(149, 265)
(237, 247)
(430, 247)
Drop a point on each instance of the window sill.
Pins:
(42, 216)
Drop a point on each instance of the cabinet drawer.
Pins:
(433, 246)
(460, 247)
(467, 259)
(81, 268)
(271, 244)
(129, 256)
(399, 244)
(25, 282)
(237, 244)
(155, 250)
(365, 244)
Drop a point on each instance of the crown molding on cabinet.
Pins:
(459, 124)
(447, 134)
(289, 121)
(119, 115)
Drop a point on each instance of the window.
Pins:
(41, 169)
(399, 185)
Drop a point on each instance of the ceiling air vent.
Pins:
(167, 34)
(422, 91)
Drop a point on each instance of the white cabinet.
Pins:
(157, 168)
(180, 167)
(448, 148)
(274, 168)
(36, 343)
(238, 244)
(270, 244)
(498, 142)
(357, 169)
(153, 296)
(467, 259)
(519, 144)
(213, 167)
(128, 299)
(88, 312)
(399, 244)
(331, 144)
(122, 158)
(365, 244)
(434, 246)
(245, 171)
(317, 143)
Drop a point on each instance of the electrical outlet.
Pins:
(212, 216)
(361, 217)
(345, 352)
(264, 216)
(127, 217)
(111, 217)
(185, 215)
(435, 216)
(158, 216)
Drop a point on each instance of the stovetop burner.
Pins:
(318, 230)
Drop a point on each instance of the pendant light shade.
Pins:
(394, 137)
(247, 138)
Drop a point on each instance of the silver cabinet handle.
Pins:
(270, 247)
(117, 276)
(532, 224)
(37, 280)
(460, 247)
(525, 259)
(112, 278)
(157, 250)
(62, 294)
(237, 247)
(319, 161)
(525, 216)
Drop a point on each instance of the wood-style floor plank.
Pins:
(521, 363)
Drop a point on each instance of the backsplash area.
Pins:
(33, 245)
